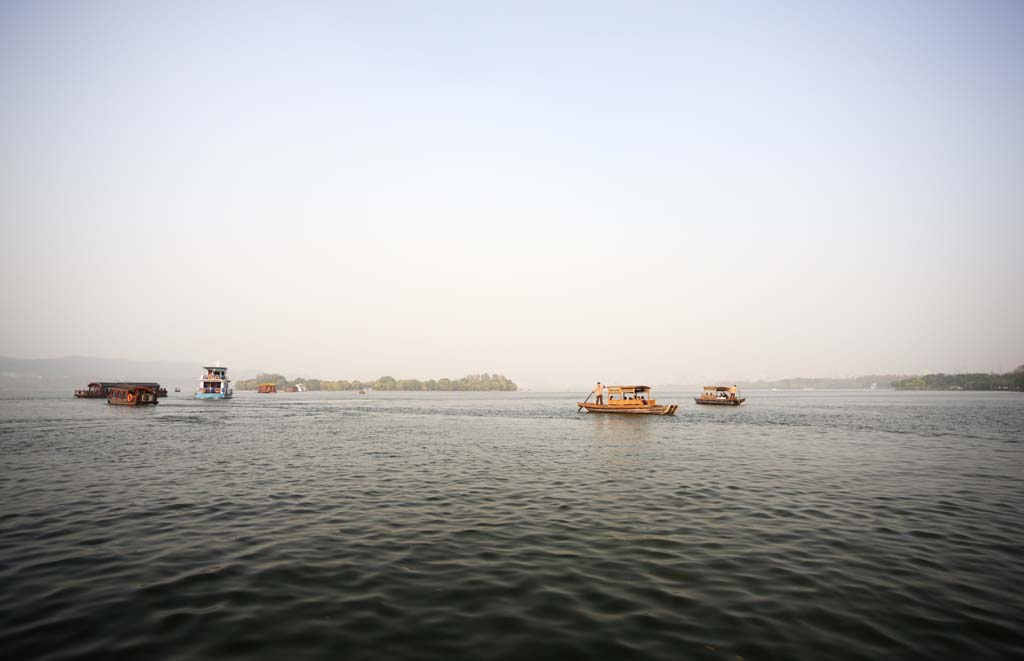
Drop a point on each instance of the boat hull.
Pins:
(212, 395)
(720, 402)
(658, 409)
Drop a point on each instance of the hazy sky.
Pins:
(556, 191)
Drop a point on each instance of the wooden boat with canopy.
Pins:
(267, 388)
(132, 395)
(101, 389)
(634, 400)
(720, 396)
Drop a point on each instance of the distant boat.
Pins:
(635, 400)
(177, 389)
(720, 396)
(362, 392)
(214, 384)
(298, 387)
(95, 390)
(267, 388)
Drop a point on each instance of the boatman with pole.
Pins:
(599, 394)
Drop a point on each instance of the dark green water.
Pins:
(808, 525)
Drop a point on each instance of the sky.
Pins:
(555, 191)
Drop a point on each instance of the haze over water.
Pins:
(701, 191)
(838, 525)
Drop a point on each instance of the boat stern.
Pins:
(210, 395)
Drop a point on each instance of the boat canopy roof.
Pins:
(218, 367)
(629, 388)
(119, 384)
(723, 388)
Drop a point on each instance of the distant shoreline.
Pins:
(470, 383)
(75, 369)
(1011, 381)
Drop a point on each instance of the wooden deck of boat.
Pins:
(133, 396)
(658, 409)
(720, 402)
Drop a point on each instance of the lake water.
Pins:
(802, 525)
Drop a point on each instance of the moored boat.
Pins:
(214, 384)
(101, 389)
(267, 388)
(634, 400)
(94, 390)
(133, 395)
(720, 396)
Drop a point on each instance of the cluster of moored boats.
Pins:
(271, 388)
(215, 384)
(123, 393)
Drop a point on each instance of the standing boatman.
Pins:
(599, 392)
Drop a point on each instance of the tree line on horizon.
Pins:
(470, 382)
(1010, 381)
(851, 382)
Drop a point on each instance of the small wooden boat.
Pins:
(129, 395)
(720, 396)
(267, 388)
(634, 400)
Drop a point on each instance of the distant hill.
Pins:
(824, 383)
(82, 369)
(1010, 381)
(882, 381)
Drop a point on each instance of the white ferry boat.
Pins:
(214, 384)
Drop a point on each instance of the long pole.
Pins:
(585, 400)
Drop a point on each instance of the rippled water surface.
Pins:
(814, 525)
